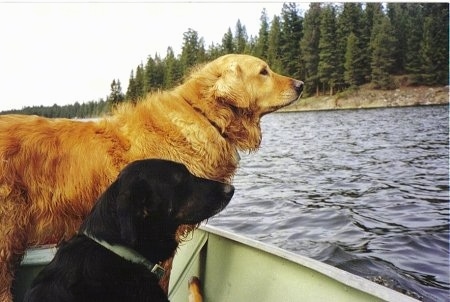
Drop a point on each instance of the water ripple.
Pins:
(364, 190)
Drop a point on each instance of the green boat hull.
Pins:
(234, 268)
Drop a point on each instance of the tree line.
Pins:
(331, 47)
(89, 109)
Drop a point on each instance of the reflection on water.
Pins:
(364, 190)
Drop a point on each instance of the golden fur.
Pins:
(53, 170)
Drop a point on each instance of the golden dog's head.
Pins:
(248, 82)
(236, 91)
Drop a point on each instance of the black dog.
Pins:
(130, 229)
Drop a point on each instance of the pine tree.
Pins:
(371, 12)
(250, 46)
(274, 52)
(435, 44)
(227, 42)
(172, 72)
(398, 16)
(193, 50)
(327, 46)
(150, 70)
(154, 74)
(412, 62)
(159, 75)
(349, 21)
(261, 44)
(201, 54)
(382, 61)
(139, 82)
(309, 46)
(353, 74)
(132, 93)
(291, 34)
(116, 96)
(214, 51)
(240, 38)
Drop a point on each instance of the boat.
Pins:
(234, 268)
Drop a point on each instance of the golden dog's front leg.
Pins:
(195, 294)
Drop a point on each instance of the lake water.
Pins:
(364, 190)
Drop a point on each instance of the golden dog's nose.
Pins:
(298, 86)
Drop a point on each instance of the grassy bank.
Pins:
(370, 98)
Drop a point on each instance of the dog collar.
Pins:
(130, 255)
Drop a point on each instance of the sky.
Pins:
(62, 53)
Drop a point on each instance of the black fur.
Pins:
(142, 210)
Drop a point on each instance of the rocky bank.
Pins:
(370, 98)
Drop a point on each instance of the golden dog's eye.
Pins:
(264, 71)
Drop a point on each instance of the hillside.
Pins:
(370, 98)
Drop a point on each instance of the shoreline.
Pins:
(371, 98)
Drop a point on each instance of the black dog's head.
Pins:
(143, 208)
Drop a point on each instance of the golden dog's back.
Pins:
(49, 163)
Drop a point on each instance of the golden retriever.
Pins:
(53, 170)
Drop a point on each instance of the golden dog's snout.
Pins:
(298, 86)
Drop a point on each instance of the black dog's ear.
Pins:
(130, 208)
(126, 217)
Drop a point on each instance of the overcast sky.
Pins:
(67, 52)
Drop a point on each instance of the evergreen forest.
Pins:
(332, 47)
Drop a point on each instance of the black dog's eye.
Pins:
(264, 71)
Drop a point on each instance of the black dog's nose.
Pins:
(228, 190)
(298, 86)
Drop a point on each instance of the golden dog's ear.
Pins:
(230, 87)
